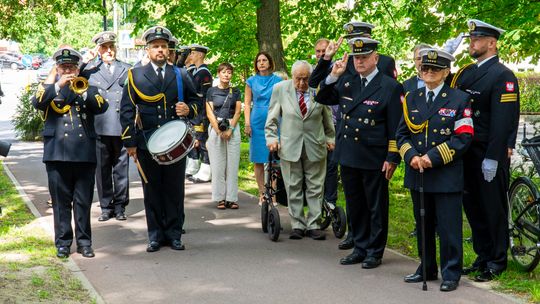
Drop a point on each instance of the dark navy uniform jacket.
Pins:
(203, 81)
(68, 133)
(386, 65)
(443, 132)
(154, 101)
(410, 84)
(109, 87)
(494, 92)
(366, 135)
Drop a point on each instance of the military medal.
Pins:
(366, 121)
(372, 123)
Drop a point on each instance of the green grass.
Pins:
(29, 270)
(401, 223)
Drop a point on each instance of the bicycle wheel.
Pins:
(523, 220)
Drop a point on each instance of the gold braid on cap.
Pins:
(144, 97)
(455, 78)
(415, 129)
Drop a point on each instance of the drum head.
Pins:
(166, 137)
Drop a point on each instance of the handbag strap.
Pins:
(225, 102)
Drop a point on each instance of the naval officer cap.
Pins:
(172, 43)
(104, 37)
(199, 48)
(155, 33)
(67, 55)
(357, 28)
(436, 58)
(479, 28)
(362, 46)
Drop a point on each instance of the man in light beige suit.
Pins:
(306, 132)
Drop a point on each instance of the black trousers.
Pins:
(163, 197)
(71, 185)
(112, 174)
(486, 208)
(366, 195)
(443, 215)
(331, 179)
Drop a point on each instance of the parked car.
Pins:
(10, 62)
(44, 70)
(37, 60)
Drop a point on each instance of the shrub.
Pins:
(529, 87)
(27, 120)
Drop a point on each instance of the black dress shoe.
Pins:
(177, 245)
(316, 234)
(121, 216)
(449, 285)
(62, 252)
(353, 258)
(296, 234)
(417, 278)
(153, 246)
(471, 269)
(347, 243)
(86, 251)
(371, 262)
(486, 276)
(105, 216)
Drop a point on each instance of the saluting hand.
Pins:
(332, 48)
(340, 66)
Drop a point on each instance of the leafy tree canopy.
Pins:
(228, 27)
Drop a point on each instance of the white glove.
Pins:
(451, 45)
(489, 169)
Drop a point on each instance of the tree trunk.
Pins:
(269, 32)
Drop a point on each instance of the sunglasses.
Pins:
(427, 68)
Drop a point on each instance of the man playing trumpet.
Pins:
(69, 149)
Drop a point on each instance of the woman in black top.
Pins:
(223, 106)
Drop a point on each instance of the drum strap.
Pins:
(179, 83)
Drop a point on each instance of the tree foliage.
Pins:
(20, 18)
(229, 27)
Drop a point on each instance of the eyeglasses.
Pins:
(427, 68)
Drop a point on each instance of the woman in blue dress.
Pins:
(259, 90)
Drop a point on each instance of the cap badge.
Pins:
(432, 55)
(472, 26)
(159, 31)
(359, 43)
(350, 28)
(66, 53)
(106, 36)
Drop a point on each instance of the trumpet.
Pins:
(79, 85)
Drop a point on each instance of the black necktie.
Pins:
(363, 82)
(160, 74)
(430, 98)
(109, 68)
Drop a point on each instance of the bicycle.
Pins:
(524, 212)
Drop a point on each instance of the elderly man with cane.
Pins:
(435, 131)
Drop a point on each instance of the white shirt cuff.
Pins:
(331, 79)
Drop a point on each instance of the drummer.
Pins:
(151, 98)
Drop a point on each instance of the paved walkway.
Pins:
(227, 259)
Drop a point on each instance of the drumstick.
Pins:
(141, 172)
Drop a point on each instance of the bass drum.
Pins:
(170, 143)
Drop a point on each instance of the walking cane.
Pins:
(423, 228)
